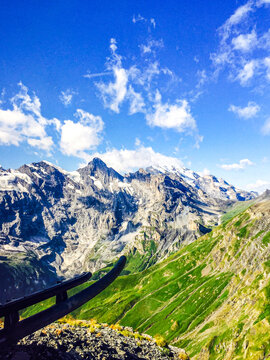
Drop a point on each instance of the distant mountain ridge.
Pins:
(82, 220)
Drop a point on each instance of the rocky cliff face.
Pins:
(82, 220)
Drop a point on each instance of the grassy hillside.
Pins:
(211, 298)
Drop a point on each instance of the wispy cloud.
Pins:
(140, 18)
(134, 86)
(116, 92)
(136, 101)
(243, 48)
(95, 75)
(246, 112)
(151, 45)
(241, 165)
(236, 18)
(266, 127)
(66, 96)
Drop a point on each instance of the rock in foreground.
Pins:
(64, 341)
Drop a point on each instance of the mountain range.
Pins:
(55, 223)
(211, 298)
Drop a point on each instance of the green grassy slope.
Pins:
(211, 298)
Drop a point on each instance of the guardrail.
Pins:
(15, 329)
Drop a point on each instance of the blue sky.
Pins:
(138, 83)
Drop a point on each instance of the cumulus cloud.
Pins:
(260, 186)
(125, 160)
(177, 116)
(247, 72)
(237, 166)
(24, 122)
(245, 42)
(82, 135)
(246, 112)
(266, 127)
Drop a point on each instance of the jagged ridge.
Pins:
(84, 219)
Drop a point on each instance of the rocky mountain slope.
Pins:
(82, 220)
(89, 340)
(211, 298)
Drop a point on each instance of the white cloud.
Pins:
(131, 160)
(137, 142)
(266, 127)
(177, 116)
(239, 36)
(132, 85)
(44, 143)
(266, 62)
(24, 123)
(94, 75)
(245, 42)
(205, 172)
(238, 16)
(78, 137)
(66, 96)
(145, 77)
(136, 101)
(151, 45)
(247, 72)
(246, 112)
(140, 18)
(260, 186)
(262, 2)
(113, 94)
(237, 166)
(153, 22)
(202, 78)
